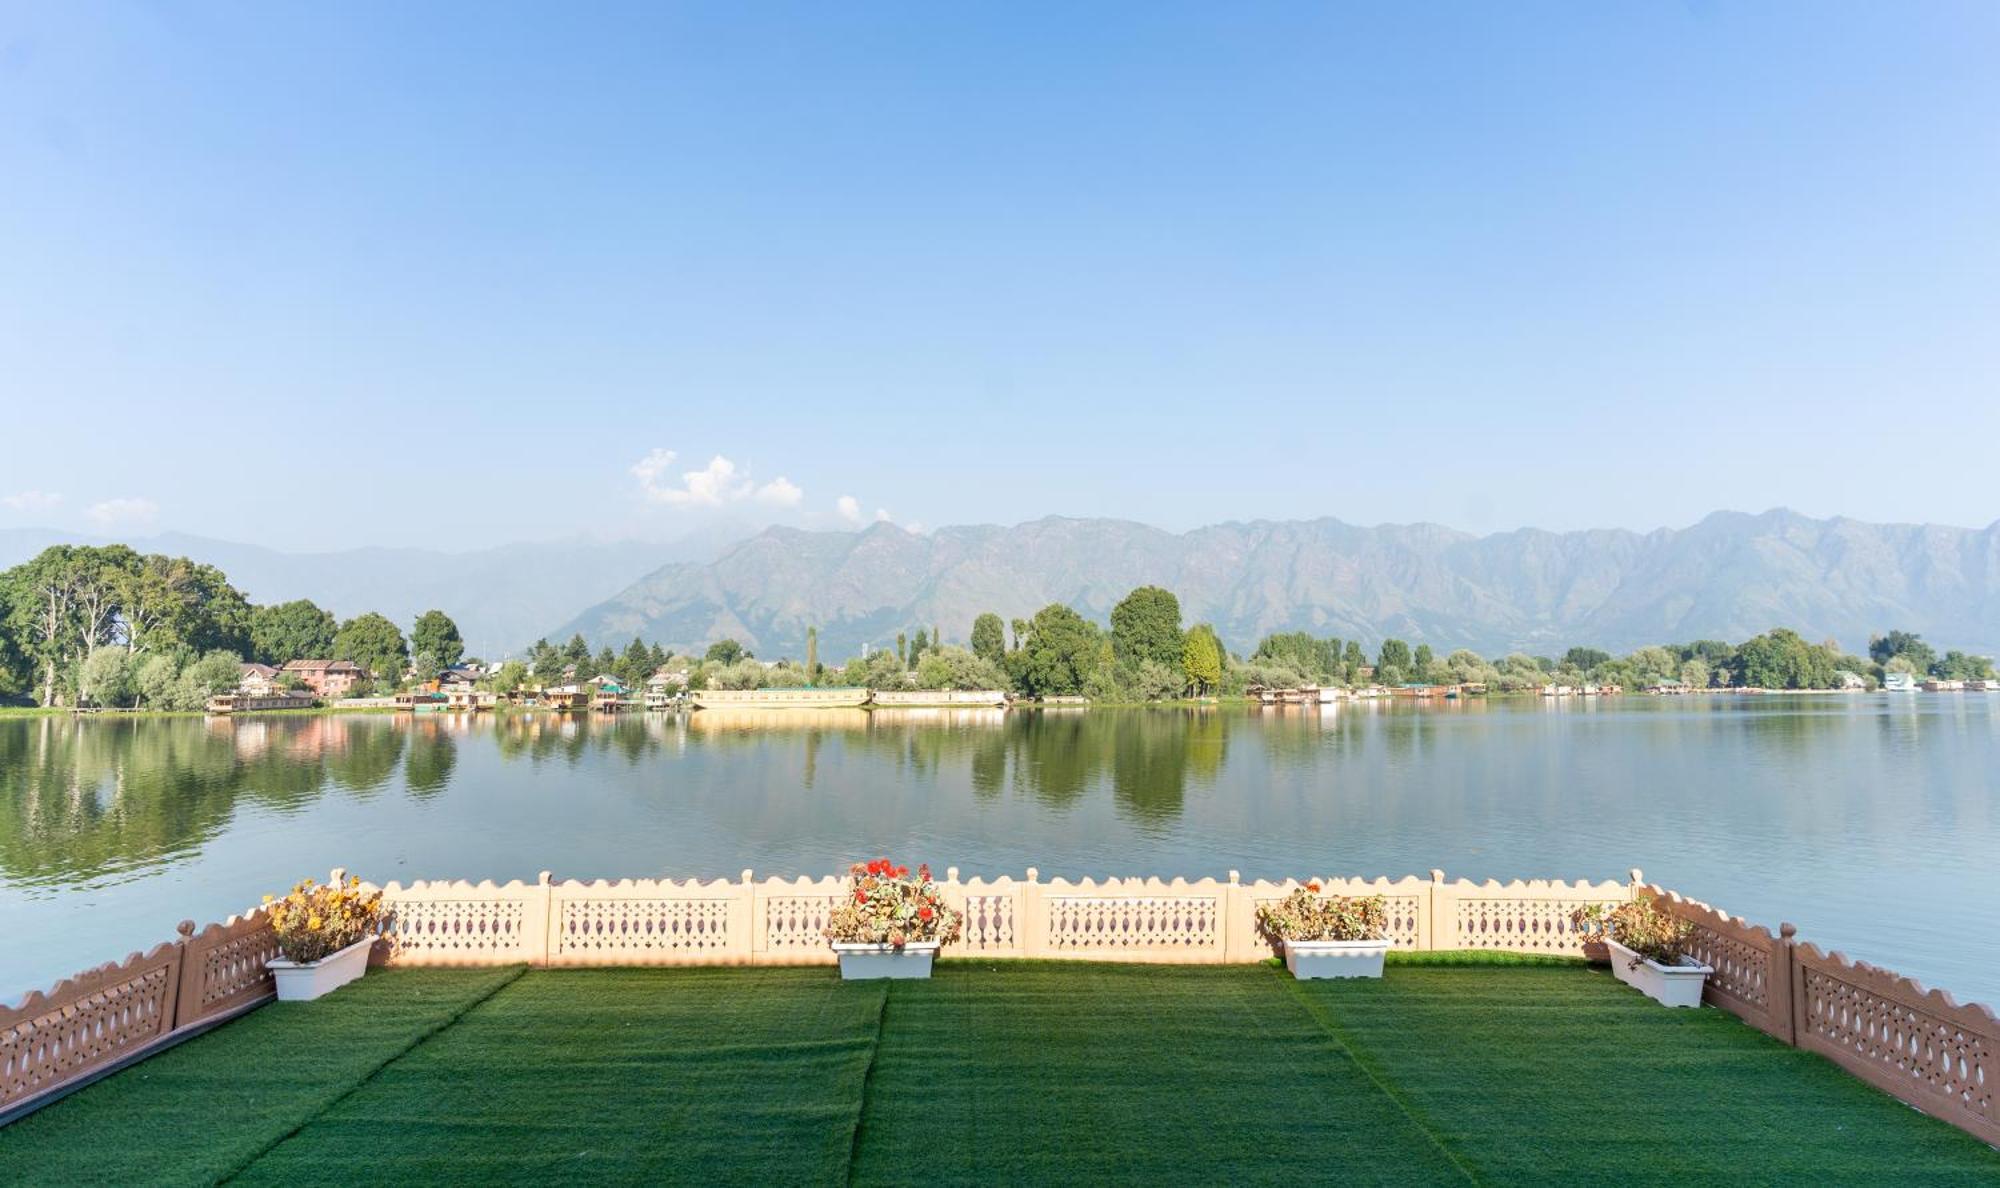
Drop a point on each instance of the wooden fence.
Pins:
(102, 1020)
(1917, 1044)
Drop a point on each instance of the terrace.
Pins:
(1454, 1068)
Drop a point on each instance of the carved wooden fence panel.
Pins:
(105, 1018)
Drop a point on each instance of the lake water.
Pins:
(1873, 822)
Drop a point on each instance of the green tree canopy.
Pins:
(1201, 659)
(726, 651)
(1395, 654)
(989, 638)
(436, 636)
(1146, 625)
(296, 630)
(1059, 654)
(375, 643)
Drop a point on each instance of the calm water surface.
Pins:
(1871, 821)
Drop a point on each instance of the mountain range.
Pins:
(1731, 576)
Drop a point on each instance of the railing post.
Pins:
(1239, 926)
(1034, 925)
(1638, 883)
(538, 924)
(187, 978)
(755, 929)
(1444, 929)
(1783, 993)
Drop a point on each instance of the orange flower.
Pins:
(1313, 887)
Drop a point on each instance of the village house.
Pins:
(257, 680)
(328, 679)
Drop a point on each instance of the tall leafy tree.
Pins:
(726, 651)
(1060, 653)
(1201, 659)
(436, 636)
(1146, 625)
(375, 643)
(812, 655)
(296, 630)
(989, 638)
(1394, 654)
(918, 646)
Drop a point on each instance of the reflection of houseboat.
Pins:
(902, 698)
(247, 703)
(831, 698)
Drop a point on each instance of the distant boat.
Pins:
(776, 699)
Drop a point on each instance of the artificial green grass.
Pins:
(197, 1112)
(1533, 1075)
(1049, 1072)
(583, 1077)
(993, 1072)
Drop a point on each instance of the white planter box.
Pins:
(1336, 959)
(303, 983)
(1673, 985)
(885, 961)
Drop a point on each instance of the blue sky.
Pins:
(1486, 265)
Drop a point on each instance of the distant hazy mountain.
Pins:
(501, 598)
(1728, 577)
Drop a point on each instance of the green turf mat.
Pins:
(1044, 1073)
(1537, 1076)
(722, 1076)
(194, 1113)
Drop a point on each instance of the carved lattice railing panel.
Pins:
(1750, 979)
(1918, 1044)
(87, 1022)
(1533, 916)
(226, 967)
(635, 923)
(1135, 919)
(457, 923)
(794, 915)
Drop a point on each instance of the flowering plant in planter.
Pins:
(314, 921)
(886, 905)
(1650, 934)
(1307, 915)
(1328, 936)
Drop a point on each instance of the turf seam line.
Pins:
(416, 1042)
(1338, 1034)
(867, 1080)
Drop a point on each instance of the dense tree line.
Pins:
(113, 627)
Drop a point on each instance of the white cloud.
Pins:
(849, 507)
(715, 484)
(123, 513)
(780, 492)
(32, 503)
(882, 516)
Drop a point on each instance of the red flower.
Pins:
(1313, 887)
(925, 913)
(924, 871)
(902, 872)
(861, 897)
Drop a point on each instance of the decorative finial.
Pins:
(1034, 875)
(544, 878)
(1235, 877)
(185, 928)
(951, 874)
(1788, 930)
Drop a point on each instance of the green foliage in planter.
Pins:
(887, 906)
(1306, 915)
(1639, 926)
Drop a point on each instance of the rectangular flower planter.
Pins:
(1673, 985)
(1336, 959)
(303, 983)
(913, 960)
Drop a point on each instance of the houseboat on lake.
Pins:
(566, 698)
(836, 697)
(939, 698)
(250, 703)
